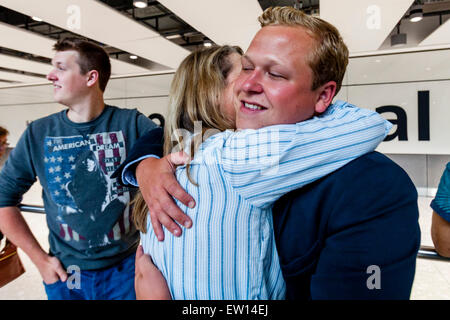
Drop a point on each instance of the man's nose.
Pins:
(252, 83)
(51, 76)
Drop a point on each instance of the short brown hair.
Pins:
(3, 132)
(329, 59)
(92, 57)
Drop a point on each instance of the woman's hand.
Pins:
(149, 283)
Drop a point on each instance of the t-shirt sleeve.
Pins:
(144, 124)
(441, 203)
(18, 174)
(264, 164)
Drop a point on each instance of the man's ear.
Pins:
(92, 78)
(325, 96)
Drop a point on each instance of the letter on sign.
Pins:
(374, 17)
(74, 19)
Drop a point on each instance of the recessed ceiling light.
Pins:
(140, 3)
(207, 44)
(416, 14)
(36, 19)
(415, 19)
(173, 36)
(133, 57)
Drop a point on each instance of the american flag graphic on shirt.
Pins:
(92, 206)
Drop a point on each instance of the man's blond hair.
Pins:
(328, 61)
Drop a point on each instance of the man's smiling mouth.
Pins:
(252, 106)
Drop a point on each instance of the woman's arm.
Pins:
(264, 164)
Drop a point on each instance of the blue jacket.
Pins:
(337, 235)
(331, 232)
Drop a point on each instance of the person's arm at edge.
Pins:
(15, 228)
(440, 234)
(440, 221)
(16, 178)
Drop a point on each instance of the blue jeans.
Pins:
(114, 283)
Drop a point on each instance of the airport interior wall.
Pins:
(371, 81)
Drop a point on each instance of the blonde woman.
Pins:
(201, 92)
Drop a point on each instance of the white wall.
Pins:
(395, 79)
(21, 104)
(371, 81)
(416, 31)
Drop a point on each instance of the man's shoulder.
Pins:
(372, 180)
(131, 117)
(367, 188)
(39, 128)
(370, 177)
(54, 117)
(372, 165)
(123, 111)
(374, 160)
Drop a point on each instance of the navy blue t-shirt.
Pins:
(88, 212)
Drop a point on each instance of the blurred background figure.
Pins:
(4, 151)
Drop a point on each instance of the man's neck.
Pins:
(86, 111)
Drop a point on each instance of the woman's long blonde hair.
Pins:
(195, 95)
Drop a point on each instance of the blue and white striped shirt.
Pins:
(230, 252)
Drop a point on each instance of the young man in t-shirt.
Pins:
(73, 153)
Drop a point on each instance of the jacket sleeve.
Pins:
(151, 143)
(372, 238)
